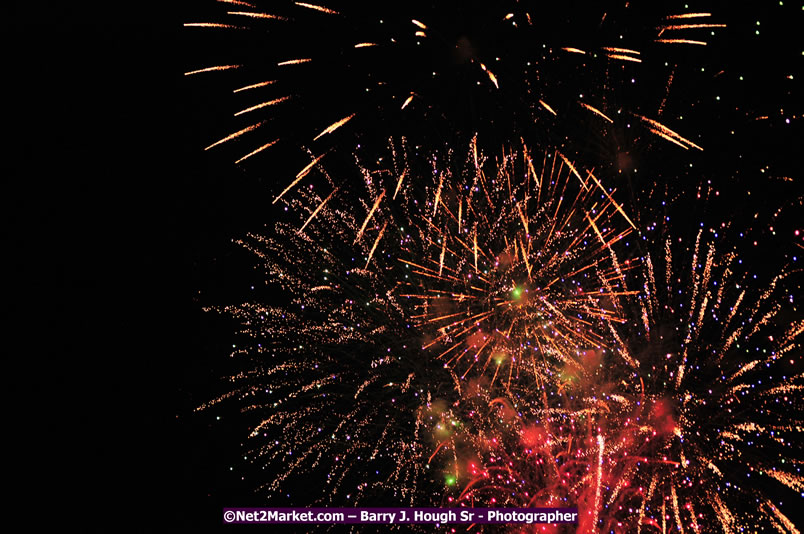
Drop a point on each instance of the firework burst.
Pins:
(513, 266)
(691, 423)
(331, 388)
(716, 410)
(362, 356)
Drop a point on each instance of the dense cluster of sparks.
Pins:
(494, 270)
(474, 327)
(513, 268)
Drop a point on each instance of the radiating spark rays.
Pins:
(509, 315)
(249, 11)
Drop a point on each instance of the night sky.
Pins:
(121, 224)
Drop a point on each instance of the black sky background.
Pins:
(117, 220)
